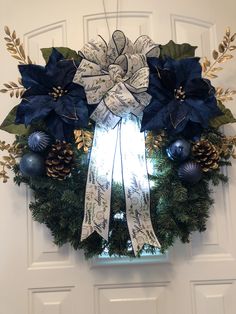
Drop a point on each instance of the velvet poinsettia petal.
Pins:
(73, 111)
(157, 90)
(58, 128)
(34, 108)
(178, 112)
(190, 130)
(37, 90)
(154, 63)
(184, 69)
(198, 89)
(155, 116)
(53, 60)
(64, 73)
(34, 75)
(76, 90)
(167, 78)
(203, 111)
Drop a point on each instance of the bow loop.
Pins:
(118, 45)
(96, 52)
(131, 63)
(145, 45)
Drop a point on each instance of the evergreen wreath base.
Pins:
(177, 209)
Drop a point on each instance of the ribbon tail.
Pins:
(99, 181)
(136, 184)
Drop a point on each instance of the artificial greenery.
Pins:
(177, 51)
(177, 209)
(66, 52)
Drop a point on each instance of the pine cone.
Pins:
(206, 154)
(59, 160)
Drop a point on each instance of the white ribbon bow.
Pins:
(116, 77)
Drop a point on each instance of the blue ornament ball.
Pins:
(179, 150)
(38, 141)
(190, 172)
(32, 165)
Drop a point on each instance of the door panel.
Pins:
(36, 276)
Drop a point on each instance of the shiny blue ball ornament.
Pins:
(190, 172)
(179, 150)
(38, 141)
(32, 165)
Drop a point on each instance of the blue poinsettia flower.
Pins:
(52, 96)
(182, 101)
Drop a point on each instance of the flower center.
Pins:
(57, 92)
(180, 94)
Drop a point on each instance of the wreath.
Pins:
(151, 107)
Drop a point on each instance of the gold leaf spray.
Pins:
(223, 54)
(16, 50)
(8, 161)
(83, 139)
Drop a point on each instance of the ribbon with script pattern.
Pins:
(98, 186)
(136, 184)
(116, 77)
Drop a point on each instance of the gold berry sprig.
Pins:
(220, 56)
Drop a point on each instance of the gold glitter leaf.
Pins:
(8, 161)
(227, 147)
(224, 95)
(154, 142)
(219, 56)
(7, 30)
(15, 47)
(215, 54)
(233, 37)
(83, 139)
(13, 88)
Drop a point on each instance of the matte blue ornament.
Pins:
(38, 141)
(179, 150)
(32, 165)
(190, 172)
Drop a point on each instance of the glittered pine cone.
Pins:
(59, 160)
(206, 154)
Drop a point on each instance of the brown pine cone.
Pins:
(59, 160)
(206, 154)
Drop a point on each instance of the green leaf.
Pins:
(177, 51)
(9, 125)
(227, 117)
(66, 52)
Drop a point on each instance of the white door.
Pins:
(35, 276)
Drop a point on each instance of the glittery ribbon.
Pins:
(116, 77)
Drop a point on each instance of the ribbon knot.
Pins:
(116, 77)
